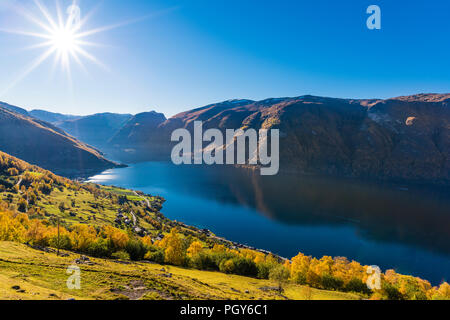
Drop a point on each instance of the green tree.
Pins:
(279, 274)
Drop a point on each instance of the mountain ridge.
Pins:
(43, 144)
(406, 138)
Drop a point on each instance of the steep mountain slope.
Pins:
(404, 138)
(134, 139)
(14, 108)
(51, 116)
(95, 129)
(43, 144)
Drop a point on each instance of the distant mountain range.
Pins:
(46, 145)
(96, 129)
(403, 138)
(51, 116)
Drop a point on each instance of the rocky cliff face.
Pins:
(404, 138)
(43, 144)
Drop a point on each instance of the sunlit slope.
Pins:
(26, 273)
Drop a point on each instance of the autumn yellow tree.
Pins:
(116, 237)
(218, 248)
(443, 292)
(195, 248)
(173, 248)
(37, 232)
(82, 236)
(300, 267)
(147, 240)
(12, 228)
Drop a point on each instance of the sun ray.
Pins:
(30, 17)
(60, 15)
(64, 36)
(70, 22)
(91, 44)
(123, 24)
(37, 46)
(36, 63)
(90, 57)
(86, 17)
(26, 33)
(79, 62)
(44, 11)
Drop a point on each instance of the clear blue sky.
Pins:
(187, 54)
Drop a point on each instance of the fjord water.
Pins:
(406, 228)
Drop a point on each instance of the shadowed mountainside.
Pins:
(134, 140)
(95, 129)
(47, 146)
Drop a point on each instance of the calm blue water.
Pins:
(396, 227)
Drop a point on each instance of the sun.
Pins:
(64, 41)
(62, 37)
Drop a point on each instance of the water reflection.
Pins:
(398, 226)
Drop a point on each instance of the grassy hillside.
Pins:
(42, 275)
(128, 240)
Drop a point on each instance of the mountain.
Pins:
(43, 144)
(134, 139)
(95, 129)
(13, 108)
(403, 138)
(51, 116)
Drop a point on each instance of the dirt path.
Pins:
(143, 198)
(134, 218)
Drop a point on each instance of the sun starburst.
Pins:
(62, 37)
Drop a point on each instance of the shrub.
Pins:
(219, 256)
(391, 292)
(279, 274)
(227, 266)
(331, 283)
(356, 285)
(264, 269)
(65, 242)
(245, 267)
(121, 255)
(99, 249)
(204, 261)
(136, 250)
(155, 256)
